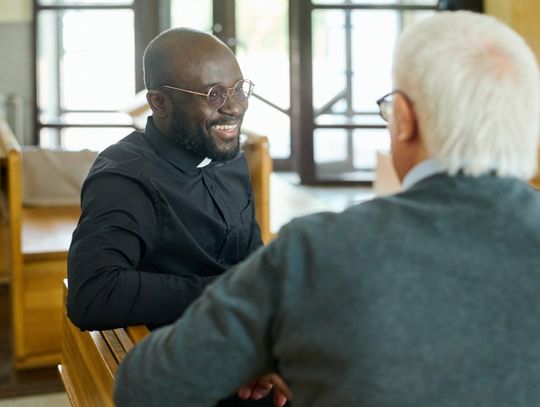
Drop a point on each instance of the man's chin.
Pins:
(225, 155)
(224, 151)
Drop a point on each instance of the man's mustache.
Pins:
(225, 120)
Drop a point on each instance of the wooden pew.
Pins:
(257, 152)
(90, 360)
(36, 241)
(10, 193)
(4, 250)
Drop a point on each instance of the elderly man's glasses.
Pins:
(385, 106)
(217, 95)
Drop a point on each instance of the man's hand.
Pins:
(261, 387)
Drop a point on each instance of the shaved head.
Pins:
(181, 66)
(176, 50)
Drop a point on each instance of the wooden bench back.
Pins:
(10, 207)
(35, 242)
(90, 360)
(257, 153)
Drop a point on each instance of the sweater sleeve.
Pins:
(222, 341)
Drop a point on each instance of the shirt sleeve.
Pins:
(119, 223)
(228, 331)
(255, 239)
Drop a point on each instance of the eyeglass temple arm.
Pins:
(184, 90)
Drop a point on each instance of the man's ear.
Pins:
(405, 118)
(159, 103)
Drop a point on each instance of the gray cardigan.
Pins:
(426, 298)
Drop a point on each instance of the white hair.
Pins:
(475, 87)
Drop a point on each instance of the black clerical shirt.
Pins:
(154, 230)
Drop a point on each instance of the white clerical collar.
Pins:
(420, 171)
(204, 162)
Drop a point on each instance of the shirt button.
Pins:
(220, 260)
(213, 188)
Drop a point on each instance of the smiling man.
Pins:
(167, 210)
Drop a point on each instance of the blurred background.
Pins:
(72, 66)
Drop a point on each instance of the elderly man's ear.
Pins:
(405, 124)
(159, 103)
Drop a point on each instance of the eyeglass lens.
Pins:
(219, 93)
(386, 108)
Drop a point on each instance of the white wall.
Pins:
(15, 11)
(17, 59)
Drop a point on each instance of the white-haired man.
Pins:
(426, 298)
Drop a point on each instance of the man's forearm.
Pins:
(114, 298)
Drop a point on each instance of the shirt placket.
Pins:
(229, 245)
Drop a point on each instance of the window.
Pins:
(318, 66)
(257, 30)
(195, 14)
(84, 72)
(346, 55)
(317, 79)
(263, 53)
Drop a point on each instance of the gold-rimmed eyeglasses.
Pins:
(217, 95)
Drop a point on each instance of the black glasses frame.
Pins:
(385, 104)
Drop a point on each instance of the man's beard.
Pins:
(198, 139)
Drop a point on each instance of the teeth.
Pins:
(225, 127)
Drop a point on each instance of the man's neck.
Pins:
(162, 127)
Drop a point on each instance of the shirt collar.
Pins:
(420, 171)
(172, 151)
(204, 162)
